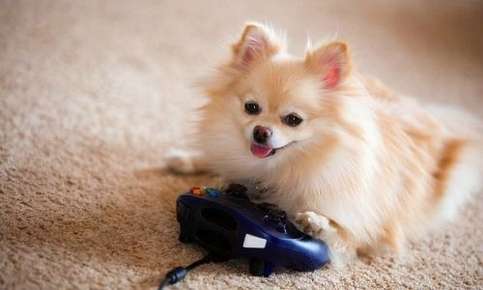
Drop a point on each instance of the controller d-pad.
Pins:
(276, 215)
(277, 218)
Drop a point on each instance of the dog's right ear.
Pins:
(257, 43)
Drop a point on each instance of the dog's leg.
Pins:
(320, 227)
(185, 162)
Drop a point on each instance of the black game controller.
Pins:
(229, 226)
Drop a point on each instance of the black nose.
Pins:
(261, 134)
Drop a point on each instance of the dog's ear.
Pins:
(331, 63)
(256, 44)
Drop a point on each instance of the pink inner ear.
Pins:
(254, 48)
(248, 55)
(332, 77)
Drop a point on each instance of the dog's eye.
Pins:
(252, 108)
(293, 120)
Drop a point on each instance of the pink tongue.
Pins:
(260, 151)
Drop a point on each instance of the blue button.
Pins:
(212, 192)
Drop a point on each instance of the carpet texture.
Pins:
(93, 93)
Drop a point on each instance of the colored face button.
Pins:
(196, 190)
(212, 192)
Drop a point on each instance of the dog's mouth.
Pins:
(264, 151)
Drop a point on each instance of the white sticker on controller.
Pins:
(254, 242)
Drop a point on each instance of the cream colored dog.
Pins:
(352, 163)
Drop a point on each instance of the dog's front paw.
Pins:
(313, 224)
(320, 227)
(180, 161)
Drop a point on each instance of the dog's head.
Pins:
(265, 103)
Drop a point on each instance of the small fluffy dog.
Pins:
(352, 163)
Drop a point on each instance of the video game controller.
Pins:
(229, 226)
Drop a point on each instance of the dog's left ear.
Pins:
(331, 63)
(256, 44)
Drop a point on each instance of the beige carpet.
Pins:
(93, 93)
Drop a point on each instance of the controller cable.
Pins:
(177, 274)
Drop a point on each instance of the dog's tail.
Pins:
(460, 171)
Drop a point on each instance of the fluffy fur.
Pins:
(365, 170)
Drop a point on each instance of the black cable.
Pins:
(177, 274)
(206, 259)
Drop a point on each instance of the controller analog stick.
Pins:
(237, 190)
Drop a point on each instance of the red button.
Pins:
(197, 191)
